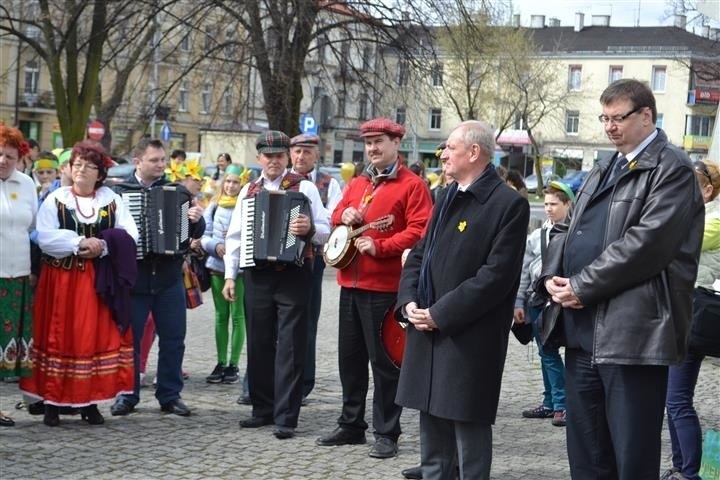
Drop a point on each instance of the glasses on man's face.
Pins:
(84, 166)
(604, 119)
(701, 168)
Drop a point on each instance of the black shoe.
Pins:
(217, 374)
(342, 436)
(91, 415)
(282, 432)
(52, 416)
(176, 407)
(230, 374)
(414, 473)
(244, 400)
(256, 422)
(539, 412)
(384, 448)
(36, 408)
(121, 408)
(6, 421)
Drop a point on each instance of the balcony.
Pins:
(38, 99)
(696, 143)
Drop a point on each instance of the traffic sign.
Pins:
(308, 124)
(95, 130)
(165, 132)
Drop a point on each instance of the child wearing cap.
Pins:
(45, 171)
(558, 198)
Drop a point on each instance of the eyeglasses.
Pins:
(84, 166)
(701, 168)
(604, 119)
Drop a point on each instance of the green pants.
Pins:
(224, 311)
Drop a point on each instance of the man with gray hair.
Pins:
(457, 292)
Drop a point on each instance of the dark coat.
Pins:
(641, 283)
(455, 372)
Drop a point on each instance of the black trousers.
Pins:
(276, 316)
(614, 418)
(361, 315)
(313, 313)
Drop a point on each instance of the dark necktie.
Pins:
(621, 163)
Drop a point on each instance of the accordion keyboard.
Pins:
(247, 212)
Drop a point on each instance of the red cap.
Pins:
(380, 126)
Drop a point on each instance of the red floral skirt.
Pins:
(79, 357)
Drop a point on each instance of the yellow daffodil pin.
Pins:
(462, 225)
(103, 213)
(14, 196)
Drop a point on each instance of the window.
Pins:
(435, 118)
(185, 41)
(574, 77)
(341, 103)
(403, 73)
(367, 59)
(345, 58)
(400, 115)
(700, 126)
(518, 123)
(229, 43)
(227, 102)
(205, 98)
(572, 122)
(659, 121)
(321, 48)
(437, 75)
(658, 78)
(183, 100)
(615, 73)
(364, 107)
(209, 41)
(32, 77)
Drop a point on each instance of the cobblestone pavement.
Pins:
(210, 445)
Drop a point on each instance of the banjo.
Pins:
(340, 248)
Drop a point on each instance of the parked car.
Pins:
(531, 182)
(119, 173)
(574, 179)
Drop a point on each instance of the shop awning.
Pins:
(513, 137)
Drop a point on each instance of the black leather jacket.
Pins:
(642, 283)
(158, 272)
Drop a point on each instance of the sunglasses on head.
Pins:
(700, 167)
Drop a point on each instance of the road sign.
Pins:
(95, 130)
(308, 124)
(165, 132)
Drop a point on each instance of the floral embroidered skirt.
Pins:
(78, 354)
(15, 327)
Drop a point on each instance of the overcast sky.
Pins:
(622, 12)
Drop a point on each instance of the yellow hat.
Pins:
(434, 179)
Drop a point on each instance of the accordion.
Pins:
(265, 234)
(161, 215)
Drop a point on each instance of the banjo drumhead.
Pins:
(335, 246)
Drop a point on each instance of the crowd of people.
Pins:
(609, 276)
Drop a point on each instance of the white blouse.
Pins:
(18, 206)
(60, 243)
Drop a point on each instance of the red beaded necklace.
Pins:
(77, 204)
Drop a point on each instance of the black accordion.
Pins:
(265, 235)
(161, 216)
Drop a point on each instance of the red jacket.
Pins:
(407, 197)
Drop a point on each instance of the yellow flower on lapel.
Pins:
(285, 184)
(462, 225)
(103, 213)
(367, 199)
(14, 196)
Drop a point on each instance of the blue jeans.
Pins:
(552, 367)
(683, 423)
(170, 315)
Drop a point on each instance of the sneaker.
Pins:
(230, 374)
(539, 412)
(559, 418)
(217, 374)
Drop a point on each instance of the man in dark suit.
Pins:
(624, 269)
(457, 291)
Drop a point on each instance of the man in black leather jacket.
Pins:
(159, 290)
(623, 271)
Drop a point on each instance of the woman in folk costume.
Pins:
(217, 219)
(18, 205)
(82, 351)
